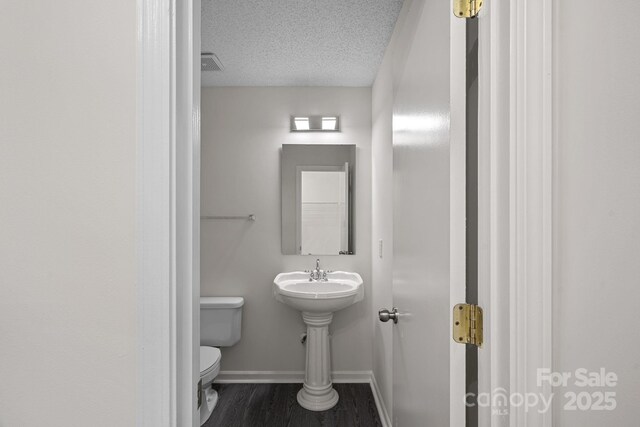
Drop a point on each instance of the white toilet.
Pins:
(220, 326)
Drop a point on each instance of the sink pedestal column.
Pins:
(317, 393)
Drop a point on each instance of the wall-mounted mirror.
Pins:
(318, 190)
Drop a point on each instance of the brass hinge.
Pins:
(199, 393)
(467, 324)
(467, 8)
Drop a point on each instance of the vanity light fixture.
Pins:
(315, 123)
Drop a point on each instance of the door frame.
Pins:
(457, 212)
(168, 212)
(515, 203)
(167, 174)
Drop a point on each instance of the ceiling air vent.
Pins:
(210, 62)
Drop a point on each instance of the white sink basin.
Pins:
(341, 290)
(318, 299)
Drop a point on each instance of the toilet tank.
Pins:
(220, 320)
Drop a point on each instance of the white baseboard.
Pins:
(351, 377)
(228, 377)
(265, 377)
(382, 408)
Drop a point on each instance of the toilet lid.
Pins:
(209, 356)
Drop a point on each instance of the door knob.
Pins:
(386, 315)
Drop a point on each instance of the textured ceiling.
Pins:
(297, 42)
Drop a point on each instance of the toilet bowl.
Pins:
(220, 326)
(209, 370)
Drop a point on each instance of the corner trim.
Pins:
(531, 197)
(494, 209)
(155, 202)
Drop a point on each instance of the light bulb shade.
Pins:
(300, 124)
(330, 123)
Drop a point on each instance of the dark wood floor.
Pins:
(275, 405)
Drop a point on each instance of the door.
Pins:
(428, 234)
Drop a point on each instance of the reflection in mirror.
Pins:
(317, 194)
(324, 211)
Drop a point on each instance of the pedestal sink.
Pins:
(318, 300)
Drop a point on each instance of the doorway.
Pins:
(180, 303)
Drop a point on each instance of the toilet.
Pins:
(220, 326)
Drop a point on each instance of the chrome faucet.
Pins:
(315, 274)
(318, 274)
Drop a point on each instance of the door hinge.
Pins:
(467, 8)
(467, 324)
(199, 391)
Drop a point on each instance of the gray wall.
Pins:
(243, 130)
(67, 213)
(597, 202)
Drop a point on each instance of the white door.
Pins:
(421, 222)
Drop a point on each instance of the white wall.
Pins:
(383, 92)
(243, 130)
(67, 206)
(597, 202)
